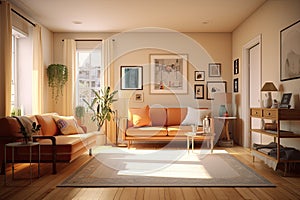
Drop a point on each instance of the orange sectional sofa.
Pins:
(54, 146)
(163, 124)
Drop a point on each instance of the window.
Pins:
(15, 104)
(89, 73)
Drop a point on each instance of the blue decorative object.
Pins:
(222, 110)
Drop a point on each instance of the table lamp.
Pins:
(268, 87)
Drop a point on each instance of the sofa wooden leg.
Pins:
(90, 152)
(2, 168)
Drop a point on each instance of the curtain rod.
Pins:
(30, 22)
(88, 40)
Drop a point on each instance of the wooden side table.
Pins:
(226, 125)
(20, 144)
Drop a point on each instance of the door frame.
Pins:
(245, 104)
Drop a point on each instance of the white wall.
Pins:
(268, 21)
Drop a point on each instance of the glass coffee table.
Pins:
(199, 136)
(17, 145)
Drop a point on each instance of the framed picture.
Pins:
(214, 69)
(289, 52)
(138, 97)
(285, 101)
(168, 74)
(215, 87)
(199, 75)
(236, 66)
(236, 85)
(131, 77)
(199, 91)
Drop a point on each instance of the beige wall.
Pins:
(134, 49)
(268, 21)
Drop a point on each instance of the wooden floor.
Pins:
(45, 186)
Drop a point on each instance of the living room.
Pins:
(135, 47)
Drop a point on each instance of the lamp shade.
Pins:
(268, 86)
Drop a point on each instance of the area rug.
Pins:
(119, 167)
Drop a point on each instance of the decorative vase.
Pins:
(222, 110)
(268, 101)
(206, 127)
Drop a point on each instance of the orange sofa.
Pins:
(54, 146)
(166, 124)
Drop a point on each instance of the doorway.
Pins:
(251, 80)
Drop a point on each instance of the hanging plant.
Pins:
(57, 77)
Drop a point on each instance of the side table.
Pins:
(226, 125)
(20, 144)
(202, 136)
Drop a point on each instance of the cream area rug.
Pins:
(119, 167)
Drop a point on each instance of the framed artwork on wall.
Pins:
(199, 75)
(236, 85)
(168, 74)
(131, 77)
(290, 52)
(199, 91)
(138, 97)
(236, 66)
(215, 87)
(214, 69)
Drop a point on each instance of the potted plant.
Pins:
(57, 77)
(79, 113)
(101, 105)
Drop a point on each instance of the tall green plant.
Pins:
(57, 78)
(101, 105)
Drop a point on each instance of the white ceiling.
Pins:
(124, 15)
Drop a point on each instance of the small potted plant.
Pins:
(79, 114)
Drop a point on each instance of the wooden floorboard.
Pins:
(45, 186)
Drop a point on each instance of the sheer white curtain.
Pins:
(69, 57)
(5, 58)
(108, 64)
(38, 72)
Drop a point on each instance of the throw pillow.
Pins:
(67, 125)
(140, 116)
(195, 116)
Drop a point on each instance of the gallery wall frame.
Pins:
(236, 66)
(131, 77)
(214, 69)
(215, 87)
(138, 97)
(199, 75)
(199, 91)
(236, 85)
(168, 73)
(289, 52)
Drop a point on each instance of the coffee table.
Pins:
(199, 136)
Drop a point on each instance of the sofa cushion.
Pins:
(175, 116)
(10, 127)
(48, 125)
(146, 131)
(67, 125)
(181, 130)
(158, 116)
(195, 116)
(139, 116)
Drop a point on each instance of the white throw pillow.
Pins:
(67, 125)
(195, 116)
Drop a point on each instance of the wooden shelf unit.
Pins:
(277, 115)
